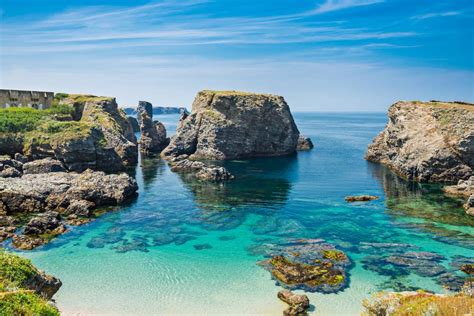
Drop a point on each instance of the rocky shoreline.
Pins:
(427, 141)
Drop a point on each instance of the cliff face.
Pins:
(232, 125)
(427, 141)
(82, 131)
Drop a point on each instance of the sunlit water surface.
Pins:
(184, 247)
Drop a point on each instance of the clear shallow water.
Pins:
(185, 247)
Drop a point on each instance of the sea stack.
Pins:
(153, 133)
(235, 125)
(427, 141)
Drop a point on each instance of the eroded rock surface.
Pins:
(43, 166)
(234, 125)
(304, 143)
(361, 198)
(52, 195)
(153, 133)
(464, 188)
(56, 191)
(298, 304)
(200, 170)
(427, 141)
(311, 265)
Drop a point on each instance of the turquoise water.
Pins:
(186, 247)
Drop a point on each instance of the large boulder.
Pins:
(56, 191)
(43, 166)
(234, 125)
(427, 141)
(153, 133)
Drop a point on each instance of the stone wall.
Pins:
(19, 98)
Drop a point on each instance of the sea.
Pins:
(185, 247)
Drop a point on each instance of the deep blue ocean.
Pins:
(189, 247)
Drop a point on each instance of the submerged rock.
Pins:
(463, 188)
(153, 133)
(235, 125)
(427, 141)
(361, 198)
(304, 143)
(313, 266)
(299, 304)
(201, 170)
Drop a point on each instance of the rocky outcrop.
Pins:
(361, 198)
(200, 169)
(17, 272)
(52, 195)
(463, 188)
(418, 303)
(113, 123)
(304, 143)
(34, 193)
(427, 141)
(81, 131)
(10, 168)
(299, 304)
(153, 133)
(234, 125)
(43, 166)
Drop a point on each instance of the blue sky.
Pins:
(322, 55)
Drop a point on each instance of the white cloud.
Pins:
(436, 15)
(334, 5)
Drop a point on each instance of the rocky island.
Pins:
(235, 125)
(427, 141)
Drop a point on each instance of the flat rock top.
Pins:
(440, 104)
(235, 93)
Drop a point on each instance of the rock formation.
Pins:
(299, 304)
(24, 290)
(57, 193)
(361, 198)
(235, 125)
(134, 123)
(464, 188)
(43, 166)
(57, 190)
(81, 131)
(427, 141)
(311, 265)
(304, 143)
(201, 170)
(153, 133)
(420, 303)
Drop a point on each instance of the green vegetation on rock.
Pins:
(15, 299)
(18, 120)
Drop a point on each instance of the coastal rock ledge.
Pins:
(427, 141)
(235, 125)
